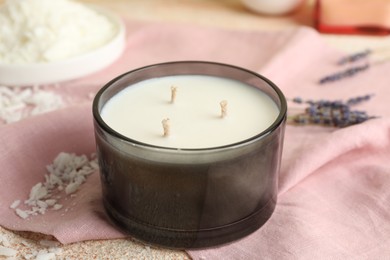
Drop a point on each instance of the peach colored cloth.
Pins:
(334, 183)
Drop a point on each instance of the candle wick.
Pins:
(166, 126)
(223, 105)
(173, 94)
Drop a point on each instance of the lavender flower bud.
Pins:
(354, 57)
(343, 74)
(331, 113)
(357, 100)
(297, 100)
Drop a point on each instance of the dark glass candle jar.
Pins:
(189, 198)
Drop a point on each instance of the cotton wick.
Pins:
(223, 105)
(173, 94)
(166, 126)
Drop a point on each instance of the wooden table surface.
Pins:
(213, 13)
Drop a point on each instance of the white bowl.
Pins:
(274, 7)
(68, 69)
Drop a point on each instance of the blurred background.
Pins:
(268, 15)
(348, 25)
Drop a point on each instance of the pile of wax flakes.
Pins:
(67, 172)
(331, 113)
(20, 103)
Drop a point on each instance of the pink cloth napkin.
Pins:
(334, 183)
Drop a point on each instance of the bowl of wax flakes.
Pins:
(50, 41)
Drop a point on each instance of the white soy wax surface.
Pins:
(195, 116)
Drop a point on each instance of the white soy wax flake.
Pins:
(4, 240)
(44, 255)
(57, 206)
(94, 165)
(72, 187)
(38, 192)
(6, 251)
(43, 102)
(56, 250)
(19, 103)
(53, 180)
(28, 256)
(67, 170)
(41, 204)
(15, 204)
(21, 213)
(50, 202)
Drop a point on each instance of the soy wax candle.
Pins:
(189, 152)
(197, 119)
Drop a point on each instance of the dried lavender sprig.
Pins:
(341, 120)
(333, 103)
(303, 119)
(354, 57)
(331, 113)
(343, 74)
(359, 99)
